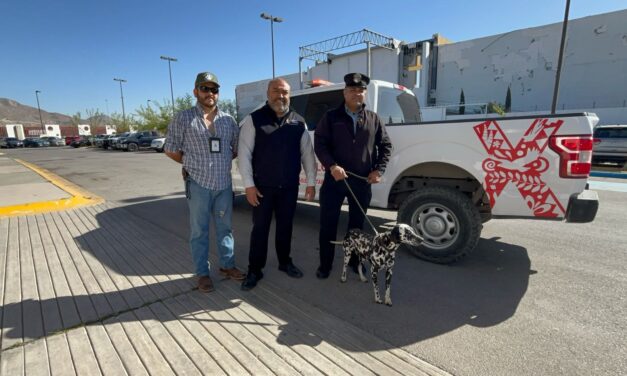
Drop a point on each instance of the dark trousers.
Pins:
(281, 202)
(332, 195)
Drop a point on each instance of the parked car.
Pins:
(157, 144)
(138, 140)
(115, 140)
(69, 139)
(82, 141)
(54, 141)
(610, 144)
(10, 142)
(35, 142)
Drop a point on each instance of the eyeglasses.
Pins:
(209, 89)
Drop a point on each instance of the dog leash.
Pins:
(357, 201)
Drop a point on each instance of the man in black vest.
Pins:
(351, 143)
(273, 143)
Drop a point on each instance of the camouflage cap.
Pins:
(204, 77)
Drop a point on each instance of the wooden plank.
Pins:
(36, 358)
(180, 307)
(151, 259)
(83, 356)
(62, 293)
(262, 328)
(129, 358)
(269, 358)
(106, 354)
(174, 354)
(49, 308)
(145, 348)
(12, 362)
(32, 320)
(326, 358)
(342, 334)
(224, 339)
(87, 275)
(4, 249)
(117, 267)
(186, 341)
(59, 355)
(80, 298)
(90, 252)
(12, 305)
(134, 265)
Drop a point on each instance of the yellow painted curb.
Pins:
(80, 197)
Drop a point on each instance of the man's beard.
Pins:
(279, 107)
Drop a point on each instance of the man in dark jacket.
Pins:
(273, 144)
(353, 146)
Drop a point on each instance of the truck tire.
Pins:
(447, 220)
(132, 147)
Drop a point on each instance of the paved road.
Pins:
(536, 297)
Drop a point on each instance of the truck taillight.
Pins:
(575, 155)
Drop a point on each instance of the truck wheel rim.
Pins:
(437, 224)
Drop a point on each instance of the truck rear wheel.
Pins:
(447, 220)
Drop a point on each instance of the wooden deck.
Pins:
(99, 291)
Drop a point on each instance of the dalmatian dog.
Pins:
(380, 251)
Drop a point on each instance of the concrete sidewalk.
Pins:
(97, 290)
(28, 189)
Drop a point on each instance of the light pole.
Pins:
(556, 89)
(120, 80)
(272, 19)
(41, 121)
(170, 59)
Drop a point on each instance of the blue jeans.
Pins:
(204, 205)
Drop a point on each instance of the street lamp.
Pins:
(39, 109)
(170, 59)
(120, 80)
(272, 19)
(148, 103)
(556, 88)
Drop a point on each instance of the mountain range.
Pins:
(13, 112)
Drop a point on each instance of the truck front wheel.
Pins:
(447, 220)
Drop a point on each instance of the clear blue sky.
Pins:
(71, 50)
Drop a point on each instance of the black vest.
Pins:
(276, 156)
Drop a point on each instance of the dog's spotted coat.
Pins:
(380, 251)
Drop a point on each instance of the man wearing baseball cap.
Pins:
(204, 139)
(351, 143)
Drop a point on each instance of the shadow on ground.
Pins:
(147, 239)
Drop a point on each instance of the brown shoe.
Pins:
(205, 284)
(233, 273)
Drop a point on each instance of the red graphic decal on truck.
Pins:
(500, 170)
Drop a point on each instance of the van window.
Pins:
(396, 106)
(313, 106)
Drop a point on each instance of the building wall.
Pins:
(594, 72)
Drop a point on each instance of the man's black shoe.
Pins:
(251, 280)
(322, 274)
(291, 270)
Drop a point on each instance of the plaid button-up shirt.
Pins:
(188, 133)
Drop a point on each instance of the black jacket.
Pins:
(362, 152)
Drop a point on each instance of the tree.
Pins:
(495, 108)
(120, 125)
(94, 117)
(76, 119)
(508, 100)
(228, 106)
(462, 101)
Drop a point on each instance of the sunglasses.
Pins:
(209, 89)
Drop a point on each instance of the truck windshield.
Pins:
(395, 106)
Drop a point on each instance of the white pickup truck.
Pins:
(446, 178)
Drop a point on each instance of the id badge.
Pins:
(215, 145)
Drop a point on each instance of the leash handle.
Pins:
(357, 201)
